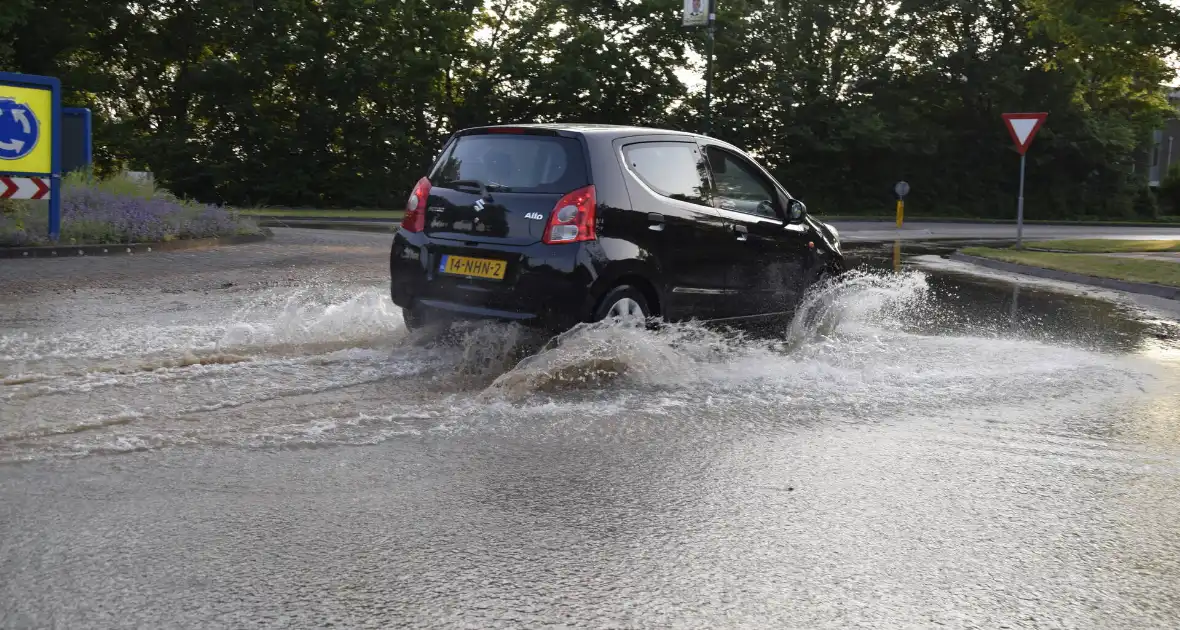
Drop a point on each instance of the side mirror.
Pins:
(795, 211)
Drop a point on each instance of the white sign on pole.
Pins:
(696, 12)
(1022, 127)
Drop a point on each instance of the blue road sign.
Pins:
(76, 148)
(19, 130)
(30, 134)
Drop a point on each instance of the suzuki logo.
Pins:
(478, 205)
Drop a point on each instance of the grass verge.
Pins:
(312, 213)
(1107, 246)
(1126, 269)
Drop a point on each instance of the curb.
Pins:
(71, 251)
(387, 226)
(314, 219)
(1158, 290)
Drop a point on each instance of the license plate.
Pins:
(473, 267)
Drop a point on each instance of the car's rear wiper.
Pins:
(483, 187)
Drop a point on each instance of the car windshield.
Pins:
(513, 163)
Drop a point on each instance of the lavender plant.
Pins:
(93, 214)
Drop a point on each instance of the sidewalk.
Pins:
(1173, 257)
(875, 231)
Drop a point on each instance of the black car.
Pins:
(558, 224)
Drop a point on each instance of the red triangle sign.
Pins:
(1023, 128)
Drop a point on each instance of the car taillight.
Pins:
(572, 219)
(415, 218)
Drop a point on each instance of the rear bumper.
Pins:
(544, 285)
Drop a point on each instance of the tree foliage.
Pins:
(345, 102)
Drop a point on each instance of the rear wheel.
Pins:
(623, 303)
(413, 318)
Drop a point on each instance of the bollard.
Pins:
(901, 189)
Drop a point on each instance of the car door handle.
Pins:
(741, 232)
(657, 222)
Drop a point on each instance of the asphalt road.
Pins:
(857, 231)
(247, 437)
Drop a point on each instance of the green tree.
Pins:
(346, 102)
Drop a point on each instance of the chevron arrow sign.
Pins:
(24, 188)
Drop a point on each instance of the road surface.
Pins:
(247, 437)
(854, 231)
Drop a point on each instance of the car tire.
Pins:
(413, 318)
(821, 316)
(623, 302)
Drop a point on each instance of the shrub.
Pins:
(119, 210)
(122, 185)
(1146, 203)
(1169, 194)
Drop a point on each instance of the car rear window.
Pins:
(514, 163)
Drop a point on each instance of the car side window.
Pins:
(740, 187)
(673, 169)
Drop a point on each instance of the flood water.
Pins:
(918, 447)
(332, 364)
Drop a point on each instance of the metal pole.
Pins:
(1020, 209)
(709, 71)
(54, 207)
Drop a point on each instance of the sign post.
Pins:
(703, 13)
(1022, 128)
(901, 189)
(30, 141)
(77, 152)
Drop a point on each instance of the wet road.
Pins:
(247, 437)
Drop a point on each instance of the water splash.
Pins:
(682, 354)
(861, 301)
(311, 319)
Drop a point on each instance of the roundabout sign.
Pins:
(19, 129)
(30, 141)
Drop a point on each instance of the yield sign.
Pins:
(1023, 128)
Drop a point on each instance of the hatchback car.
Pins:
(557, 224)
